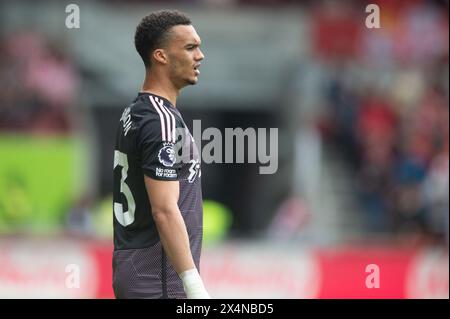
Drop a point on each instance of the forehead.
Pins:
(184, 33)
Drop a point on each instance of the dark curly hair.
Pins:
(153, 30)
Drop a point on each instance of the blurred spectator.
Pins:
(435, 196)
(336, 30)
(38, 84)
(79, 220)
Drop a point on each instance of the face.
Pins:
(184, 55)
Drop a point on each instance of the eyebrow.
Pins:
(193, 44)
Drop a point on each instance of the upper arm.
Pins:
(160, 164)
(163, 195)
(158, 155)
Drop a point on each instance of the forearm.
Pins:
(174, 238)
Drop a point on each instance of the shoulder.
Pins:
(151, 119)
(149, 106)
(140, 121)
(142, 108)
(145, 116)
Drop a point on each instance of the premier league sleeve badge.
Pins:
(166, 155)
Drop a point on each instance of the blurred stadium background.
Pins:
(363, 168)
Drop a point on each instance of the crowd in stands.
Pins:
(388, 111)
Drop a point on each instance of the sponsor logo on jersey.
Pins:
(166, 172)
(194, 170)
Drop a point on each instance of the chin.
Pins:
(192, 81)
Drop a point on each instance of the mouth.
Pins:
(196, 69)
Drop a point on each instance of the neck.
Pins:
(162, 87)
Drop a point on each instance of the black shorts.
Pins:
(145, 273)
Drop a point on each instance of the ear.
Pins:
(160, 56)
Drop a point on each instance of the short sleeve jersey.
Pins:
(153, 140)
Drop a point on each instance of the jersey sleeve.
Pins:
(159, 158)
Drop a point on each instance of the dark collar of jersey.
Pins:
(166, 101)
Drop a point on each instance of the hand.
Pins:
(193, 285)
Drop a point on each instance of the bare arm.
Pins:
(172, 230)
(163, 197)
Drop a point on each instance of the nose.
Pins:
(200, 55)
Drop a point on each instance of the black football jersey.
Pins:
(153, 140)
